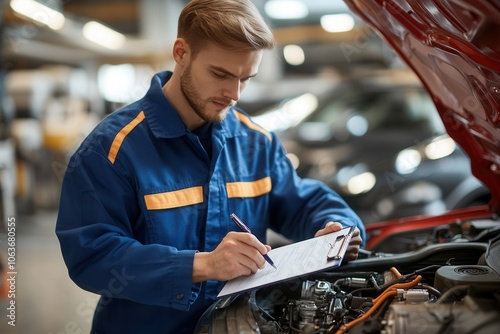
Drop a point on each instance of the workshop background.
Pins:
(347, 109)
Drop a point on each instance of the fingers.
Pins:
(354, 246)
(333, 226)
(238, 254)
(356, 238)
(351, 254)
(356, 233)
(246, 249)
(250, 240)
(329, 228)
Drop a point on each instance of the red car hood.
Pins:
(452, 45)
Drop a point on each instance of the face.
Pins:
(213, 81)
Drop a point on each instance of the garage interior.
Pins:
(57, 82)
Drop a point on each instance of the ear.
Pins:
(181, 51)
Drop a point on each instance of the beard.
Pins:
(198, 104)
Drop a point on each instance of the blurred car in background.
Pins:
(377, 140)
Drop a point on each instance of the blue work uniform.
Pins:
(143, 194)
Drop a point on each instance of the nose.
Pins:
(233, 90)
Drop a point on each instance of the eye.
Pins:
(219, 75)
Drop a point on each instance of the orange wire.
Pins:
(380, 299)
(349, 325)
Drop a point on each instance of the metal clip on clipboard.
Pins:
(332, 256)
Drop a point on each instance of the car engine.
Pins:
(447, 288)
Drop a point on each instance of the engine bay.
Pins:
(387, 302)
(451, 287)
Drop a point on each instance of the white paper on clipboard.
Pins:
(294, 260)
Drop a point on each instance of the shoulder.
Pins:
(109, 135)
(249, 125)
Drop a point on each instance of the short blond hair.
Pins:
(231, 24)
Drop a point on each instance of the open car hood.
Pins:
(452, 45)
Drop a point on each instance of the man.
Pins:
(144, 214)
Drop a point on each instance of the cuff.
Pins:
(183, 291)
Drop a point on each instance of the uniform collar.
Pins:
(164, 120)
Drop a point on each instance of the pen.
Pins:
(245, 228)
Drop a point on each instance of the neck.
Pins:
(177, 98)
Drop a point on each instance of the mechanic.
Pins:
(144, 217)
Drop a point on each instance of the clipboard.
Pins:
(295, 260)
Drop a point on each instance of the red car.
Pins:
(418, 274)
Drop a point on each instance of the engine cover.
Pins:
(480, 279)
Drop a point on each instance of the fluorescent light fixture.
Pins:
(286, 9)
(337, 22)
(440, 147)
(294, 55)
(38, 12)
(102, 35)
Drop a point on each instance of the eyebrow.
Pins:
(226, 72)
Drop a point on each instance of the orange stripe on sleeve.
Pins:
(120, 136)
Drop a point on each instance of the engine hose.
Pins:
(395, 272)
(379, 300)
(454, 292)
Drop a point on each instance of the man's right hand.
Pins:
(238, 254)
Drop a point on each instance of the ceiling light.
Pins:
(102, 35)
(286, 9)
(294, 55)
(40, 13)
(337, 22)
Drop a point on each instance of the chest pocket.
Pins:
(175, 218)
(249, 200)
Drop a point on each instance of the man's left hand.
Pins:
(356, 241)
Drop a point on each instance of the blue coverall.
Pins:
(141, 196)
